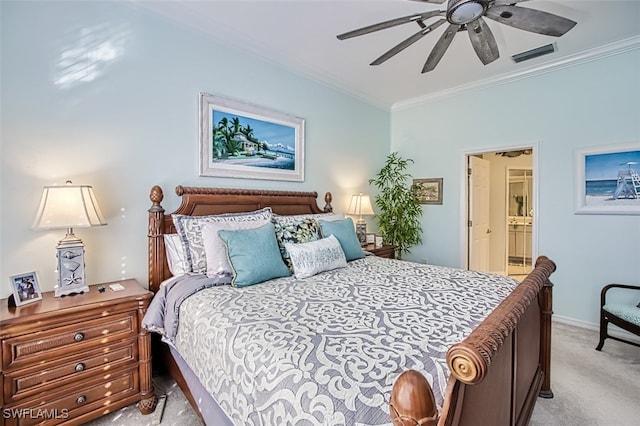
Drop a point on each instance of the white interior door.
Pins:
(479, 231)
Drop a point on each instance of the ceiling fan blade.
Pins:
(390, 23)
(408, 42)
(440, 48)
(483, 41)
(535, 21)
(503, 2)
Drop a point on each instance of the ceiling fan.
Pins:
(467, 15)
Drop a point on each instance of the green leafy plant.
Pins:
(399, 204)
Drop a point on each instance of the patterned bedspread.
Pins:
(326, 350)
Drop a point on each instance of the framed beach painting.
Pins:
(608, 179)
(242, 140)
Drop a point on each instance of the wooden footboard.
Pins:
(497, 371)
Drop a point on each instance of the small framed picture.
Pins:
(379, 241)
(430, 190)
(371, 238)
(26, 288)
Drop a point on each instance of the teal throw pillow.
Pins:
(345, 232)
(254, 255)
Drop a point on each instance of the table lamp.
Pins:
(69, 206)
(360, 206)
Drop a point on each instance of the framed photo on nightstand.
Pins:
(26, 288)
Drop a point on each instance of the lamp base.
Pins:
(71, 279)
(361, 232)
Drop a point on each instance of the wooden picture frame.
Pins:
(607, 179)
(430, 190)
(26, 288)
(242, 140)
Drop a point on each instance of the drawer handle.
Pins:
(79, 337)
(81, 400)
(79, 367)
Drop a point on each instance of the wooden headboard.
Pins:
(198, 201)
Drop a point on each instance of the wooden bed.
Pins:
(497, 372)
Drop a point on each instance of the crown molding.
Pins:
(589, 55)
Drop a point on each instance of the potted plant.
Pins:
(399, 204)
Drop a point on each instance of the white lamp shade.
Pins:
(68, 206)
(360, 205)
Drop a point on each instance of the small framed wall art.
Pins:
(430, 190)
(26, 288)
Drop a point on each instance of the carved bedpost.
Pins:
(327, 199)
(546, 303)
(148, 399)
(155, 237)
(412, 402)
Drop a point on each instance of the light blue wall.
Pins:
(582, 106)
(107, 95)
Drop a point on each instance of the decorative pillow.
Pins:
(176, 256)
(329, 217)
(345, 232)
(303, 231)
(190, 230)
(215, 249)
(311, 258)
(254, 255)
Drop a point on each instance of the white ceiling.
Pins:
(300, 35)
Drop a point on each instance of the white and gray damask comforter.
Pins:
(326, 350)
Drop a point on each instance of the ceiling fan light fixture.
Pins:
(465, 11)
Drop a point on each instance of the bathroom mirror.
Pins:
(520, 190)
(519, 220)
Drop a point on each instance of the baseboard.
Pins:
(613, 329)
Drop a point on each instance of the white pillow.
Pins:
(176, 256)
(311, 258)
(190, 230)
(329, 217)
(216, 250)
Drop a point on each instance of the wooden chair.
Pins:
(624, 315)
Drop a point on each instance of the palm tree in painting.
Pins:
(232, 146)
(219, 145)
(223, 138)
(236, 127)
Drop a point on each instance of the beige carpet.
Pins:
(591, 388)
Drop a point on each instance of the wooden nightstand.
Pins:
(387, 251)
(74, 358)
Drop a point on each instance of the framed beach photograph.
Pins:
(608, 179)
(242, 140)
(26, 288)
(430, 190)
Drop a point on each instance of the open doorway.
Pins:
(501, 200)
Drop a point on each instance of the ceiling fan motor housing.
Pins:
(460, 12)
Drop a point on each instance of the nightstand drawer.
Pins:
(52, 344)
(27, 382)
(74, 402)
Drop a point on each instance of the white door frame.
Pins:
(464, 235)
